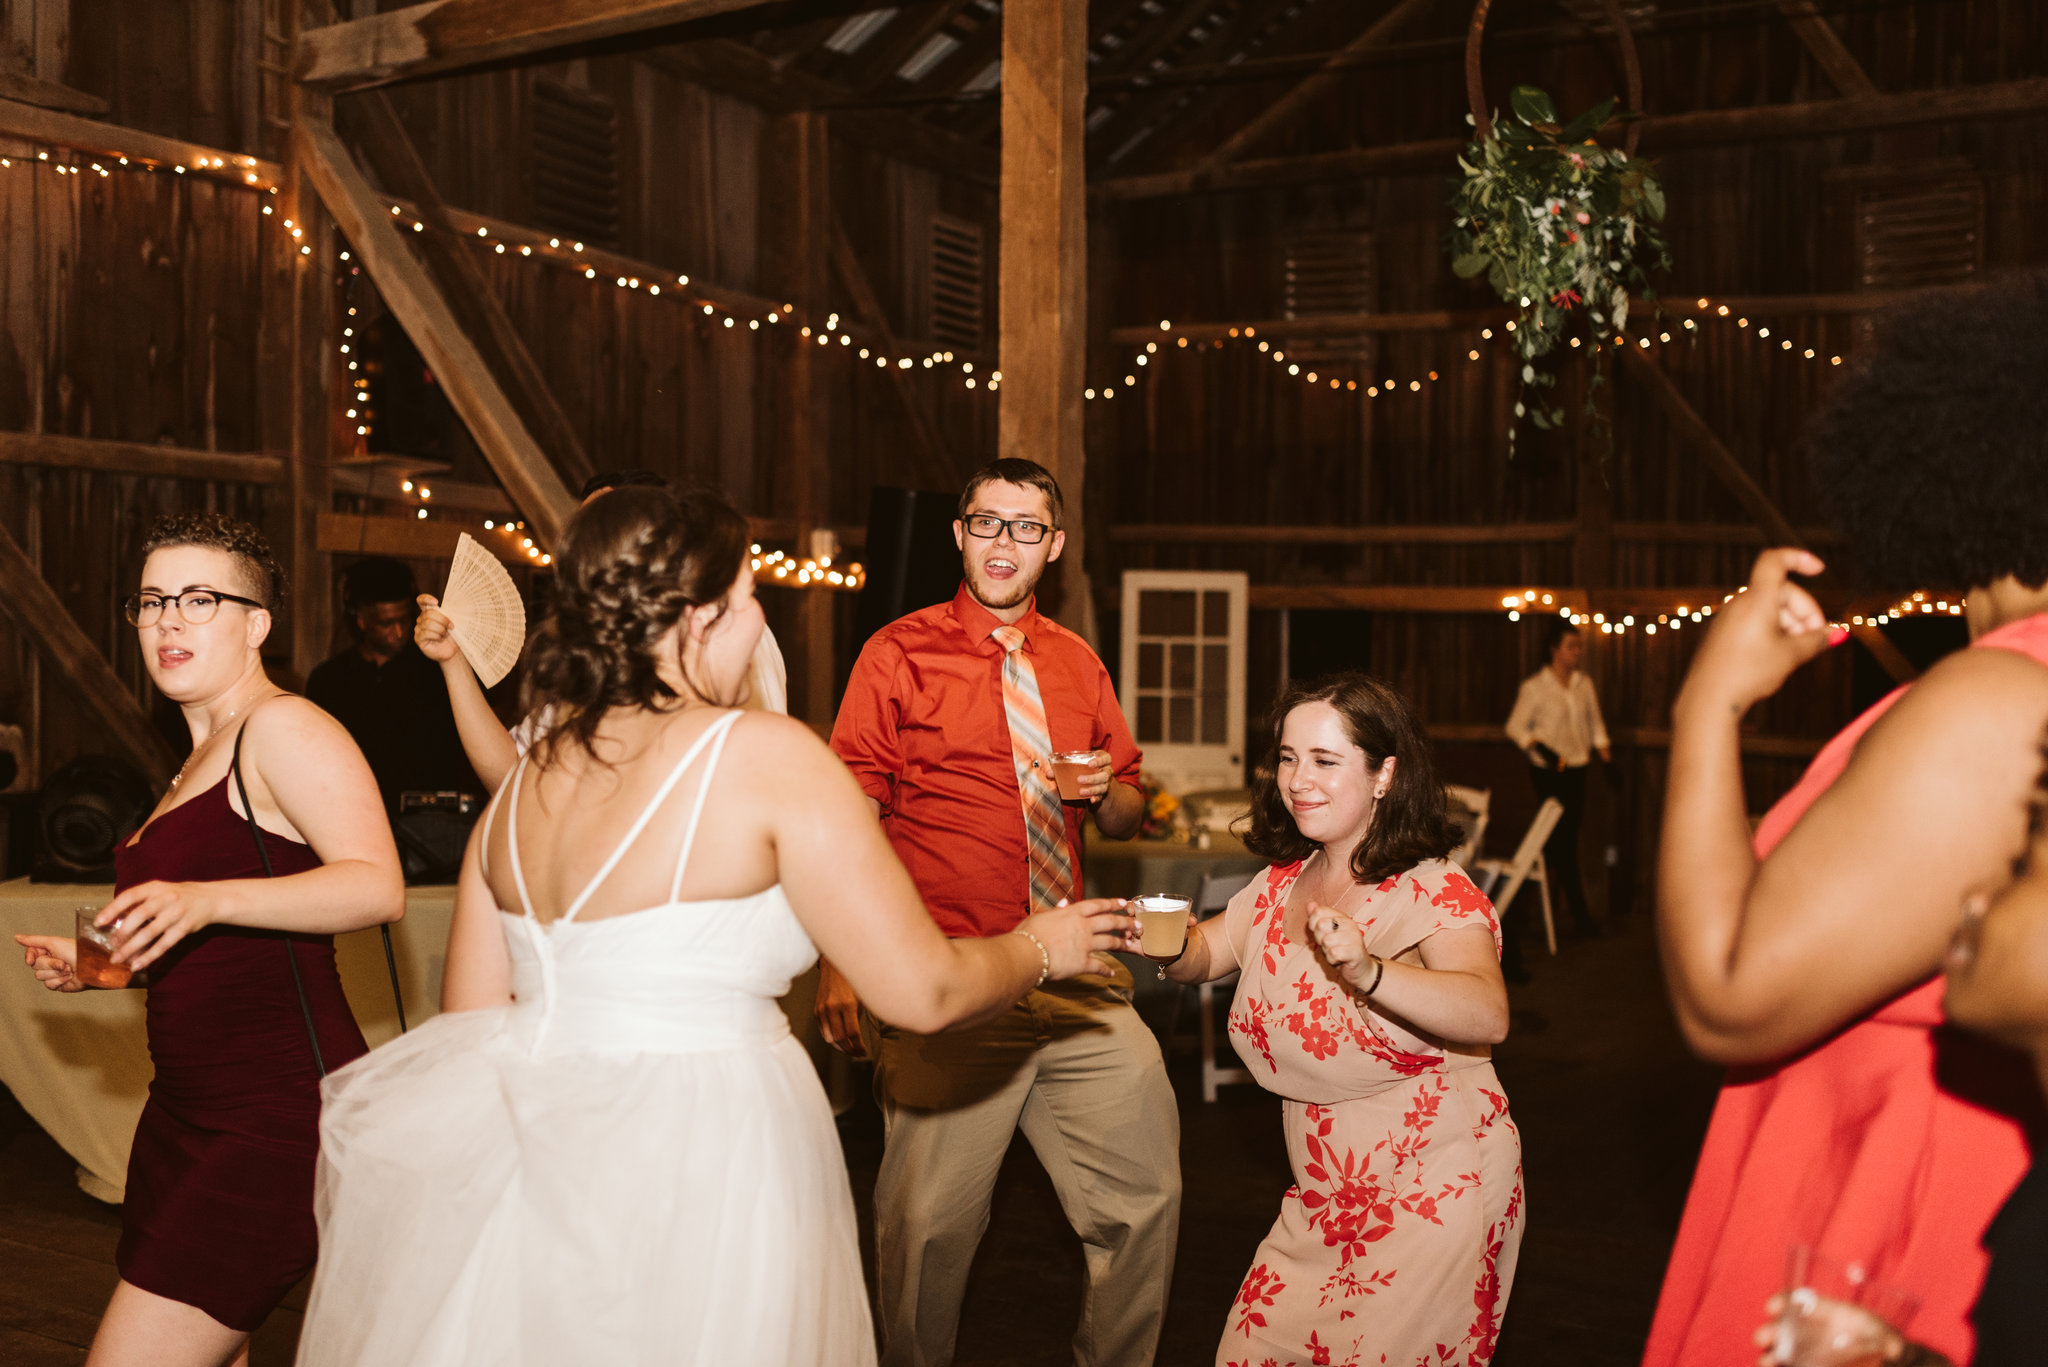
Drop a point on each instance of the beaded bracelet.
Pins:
(1044, 959)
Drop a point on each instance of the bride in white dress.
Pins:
(608, 1148)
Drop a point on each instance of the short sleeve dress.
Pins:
(1397, 1243)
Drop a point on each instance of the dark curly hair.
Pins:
(263, 576)
(1931, 455)
(628, 569)
(1409, 825)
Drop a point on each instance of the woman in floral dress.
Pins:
(1370, 992)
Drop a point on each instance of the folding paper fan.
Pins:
(483, 604)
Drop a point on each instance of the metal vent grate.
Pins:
(957, 285)
(575, 163)
(1923, 232)
(1326, 272)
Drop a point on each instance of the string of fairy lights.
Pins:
(1537, 602)
(1315, 377)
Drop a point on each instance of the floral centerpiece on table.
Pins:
(1560, 226)
(1164, 819)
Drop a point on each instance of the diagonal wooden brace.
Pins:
(36, 608)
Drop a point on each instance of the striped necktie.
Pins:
(1045, 827)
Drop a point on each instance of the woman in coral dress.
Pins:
(1855, 1119)
(1368, 996)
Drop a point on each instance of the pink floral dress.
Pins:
(1397, 1243)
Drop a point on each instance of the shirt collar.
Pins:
(978, 622)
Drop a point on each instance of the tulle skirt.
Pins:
(479, 1205)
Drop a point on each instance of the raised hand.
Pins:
(1761, 635)
(54, 959)
(1339, 940)
(434, 633)
(1079, 936)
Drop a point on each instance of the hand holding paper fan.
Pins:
(482, 603)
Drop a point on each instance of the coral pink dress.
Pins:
(1397, 1242)
(1891, 1144)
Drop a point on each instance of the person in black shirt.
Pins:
(391, 698)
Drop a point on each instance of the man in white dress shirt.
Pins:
(1557, 724)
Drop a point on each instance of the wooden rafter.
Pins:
(1692, 430)
(737, 69)
(376, 129)
(114, 142)
(450, 35)
(1332, 73)
(1819, 118)
(928, 449)
(1825, 45)
(1888, 656)
(899, 42)
(137, 458)
(416, 301)
(42, 617)
(1143, 109)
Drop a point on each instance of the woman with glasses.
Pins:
(245, 1007)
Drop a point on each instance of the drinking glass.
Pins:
(1068, 768)
(95, 967)
(1162, 926)
(1835, 1315)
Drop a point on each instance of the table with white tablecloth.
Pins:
(78, 1062)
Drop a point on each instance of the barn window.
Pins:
(956, 283)
(575, 163)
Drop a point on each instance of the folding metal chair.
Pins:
(1508, 875)
(1479, 802)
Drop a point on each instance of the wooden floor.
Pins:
(1610, 1108)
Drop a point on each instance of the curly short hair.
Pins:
(262, 575)
(628, 570)
(1411, 823)
(1931, 455)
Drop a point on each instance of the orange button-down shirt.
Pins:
(924, 730)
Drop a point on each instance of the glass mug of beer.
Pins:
(1162, 926)
(96, 967)
(1068, 768)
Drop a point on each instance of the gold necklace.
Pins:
(218, 727)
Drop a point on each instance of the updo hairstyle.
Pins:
(1409, 825)
(255, 562)
(629, 568)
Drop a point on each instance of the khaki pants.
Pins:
(1075, 1069)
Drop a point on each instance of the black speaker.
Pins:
(86, 810)
(911, 560)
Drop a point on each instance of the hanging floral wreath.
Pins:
(1560, 226)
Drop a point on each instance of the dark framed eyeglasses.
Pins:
(988, 526)
(195, 606)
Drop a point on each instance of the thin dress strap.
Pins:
(724, 729)
(512, 839)
(668, 786)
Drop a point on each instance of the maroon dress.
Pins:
(219, 1209)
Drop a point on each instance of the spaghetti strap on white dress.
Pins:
(634, 1163)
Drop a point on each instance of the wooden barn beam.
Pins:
(138, 458)
(1888, 656)
(1707, 127)
(43, 618)
(19, 85)
(377, 131)
(796, 228)
(405, 537)
(1771, 307)
(1693, 431)
(450, 35)
(929, 460)
(901, 40)
(737, 69)
(1332, 73)
(1843, 71)
(1044, 265)
(414, 299)
(56, 128)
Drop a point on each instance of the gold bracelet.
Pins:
(1044, 959)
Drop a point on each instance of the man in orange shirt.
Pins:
(950, 720)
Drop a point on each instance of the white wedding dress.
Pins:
(634, 1163)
